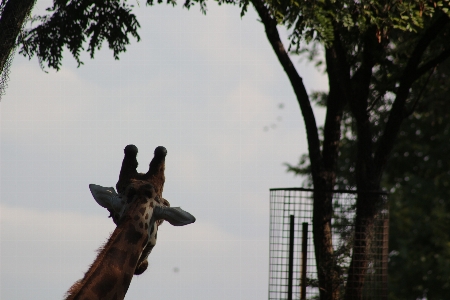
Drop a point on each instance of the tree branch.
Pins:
(360, 87)
(432, 63)
(360, 81)
(422, 90)
(428, 36)
(296, 82)
(338, 73)
(410, 74)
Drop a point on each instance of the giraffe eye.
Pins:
(131, 194)
(148, 193)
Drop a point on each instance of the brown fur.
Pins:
(76, 287)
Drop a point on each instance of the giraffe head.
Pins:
(139, 200)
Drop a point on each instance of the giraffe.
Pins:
(138, 209)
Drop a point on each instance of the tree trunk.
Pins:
(323, 244)
(12, 20)
(324, 179)
(323, 166)
(366, 211)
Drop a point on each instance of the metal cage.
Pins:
(292, 269)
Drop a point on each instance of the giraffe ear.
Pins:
(174, 215)
(107, 198)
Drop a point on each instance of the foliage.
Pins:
(73, 23)
(2, 5)
(70, 23)
(318, 19)
(419, 179)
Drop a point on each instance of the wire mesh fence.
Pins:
(292, 269)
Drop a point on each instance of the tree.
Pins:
(69, 26)
(417, 177)
(375, 52)
(13, 14)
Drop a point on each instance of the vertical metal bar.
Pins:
(385, 253)
(291, 257)
(304, 259)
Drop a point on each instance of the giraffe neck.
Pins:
(110, 275)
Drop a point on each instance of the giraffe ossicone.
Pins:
(137, 208)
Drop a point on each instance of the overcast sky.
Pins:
(209, 89)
